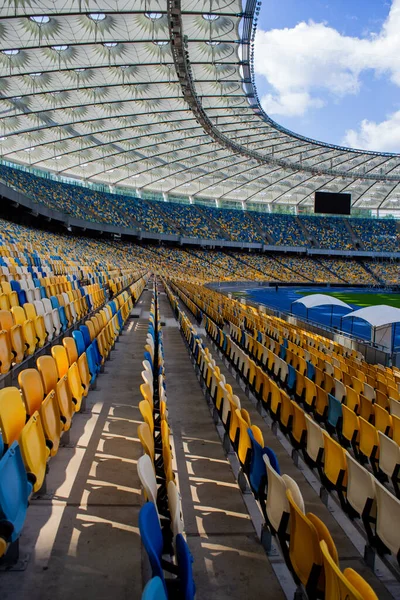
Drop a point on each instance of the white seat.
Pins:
(284, 371)
(389, 454)
(56, 321)
(340, 390)
(73, 312)
(175, 509)
(277, 505)
(226, 407)
(394, 407)
(148, 378)
(148, 478)
(30, 295)
(369, 391)
(360, 486)
(36, 291)
(315, 440)
(388, 518)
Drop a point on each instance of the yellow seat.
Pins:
(51, 420)
(366, 409)
(84, 373)
(286, 412)
(244, 448)
(352, 399)
(12, 414)
(31, 385)
(38, 322)
(369, 442)
(343, 586)
(70, 347)
(321, 403)
(147, 414)
(335, 466)
(146, 439)
(28, 329)
(166, 453)
(275, 401)
(299, 427)
(48, 371)
(383, 420)
(6, 355)
(60, 355)
(396, 429)
(304, 550)
(311, 393)
(350, 426)
(75, 384)
(34, 450)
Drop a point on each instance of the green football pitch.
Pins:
(361, 299)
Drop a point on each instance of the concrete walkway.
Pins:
(229, 562)
(84, 541)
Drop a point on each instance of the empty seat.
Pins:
(389, 459)
(12, 414)
(34, 450)
(315, 442)
(361, 494)
(388, 519)
(335, 467)
(15, 490)
(154, 590)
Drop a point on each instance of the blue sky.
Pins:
(331, 69)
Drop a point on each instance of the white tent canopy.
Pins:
(315, 300)
(377, 316)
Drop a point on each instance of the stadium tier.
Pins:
(199, 221)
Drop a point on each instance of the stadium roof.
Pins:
(160, 95)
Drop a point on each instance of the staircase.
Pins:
(263, 233)
(357, 243)
(213, 224)
(313, 242)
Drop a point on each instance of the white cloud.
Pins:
(312, 58)
(384, 136)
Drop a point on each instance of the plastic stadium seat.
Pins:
(75, 384)
(388, 515)
(70, 347)
(347, 585)
(350, 427)
(389, 459)
(361, 494)
(31, 385)
(6, 355)
(315, 442)
(277, 506)
(154, 590)
(175, 509)
(15, 490)
(34, 450)
(147, 414)
(257, 470)
(383, 420)
(38, 322)
(59, 354)
(369, 442)
(12, 414)
(150, 532)
(335, 412)
(298, 433)
(146, 439)
(48, 371)
(147, 478)
(335, 466)
(304, 550)
(51, 420)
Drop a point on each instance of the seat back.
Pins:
(175, 509)
(70, 347)
(59, 354)
(335, 464)
(31, 385)
(185, 559)
(12, 414)
(315, 440)
(147, 478)
(15, 490)
(146, 439)
(389, 454)
(154, 590)
(277, 504)
(360, 487)
(388, 513)
(147, 414)
(333, 577)
(48, 370)
(34, 449)
(152, 539)
(80, 343)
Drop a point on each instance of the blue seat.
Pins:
(282, 352)
(291, 382)
(54, 302)
(22, 299)
(334, 411)
(96, 351)
(273, 459)
(94, 368)
(63, 318)
(42, 292)
(152, 538)
(15, 490)
(86, 335)
(310, 371)
(120, 320)
(184, 559)
(154, 590)
(147, 356)
(79, 341)
(258, 471)
(113, 307)
(15, 285)
(89, 302)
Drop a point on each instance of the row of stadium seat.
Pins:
(338, 469)
(202, 221)
(34, 418)
(306, 543)
(160, 519)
